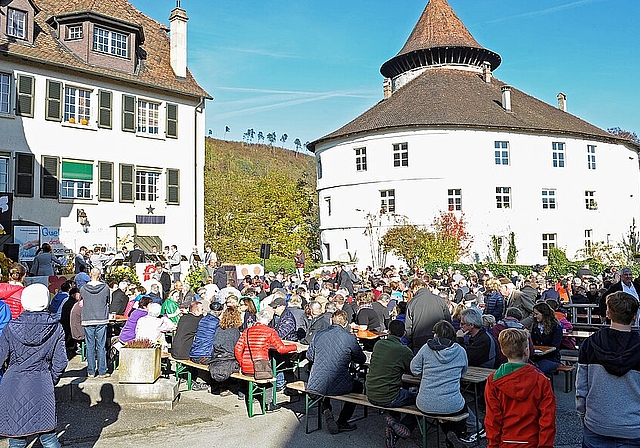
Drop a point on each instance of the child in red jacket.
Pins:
(521, 406)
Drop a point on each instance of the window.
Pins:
(388, 200)
(4, 172)
(105, 181)
(16, 23)
(5, 88)
(110, 42)
(588, 240)
(319, 168)
(590, 200)
(173, 186)
(327, 249)
(24, 174)
(548, 198)
(77, 178)
(25, 88)
(77, 105)
(558, 155)
(591, 157)
(454, 199)
(548, 241)
(400, 154)
(361, 159)
(503, 197)
(148, 117)
(74, 32)
(502, 153)
(147, 185)
(328, 201)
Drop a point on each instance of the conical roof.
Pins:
(439, 38)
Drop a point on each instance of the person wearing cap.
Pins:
(202, 347)
(33, 346)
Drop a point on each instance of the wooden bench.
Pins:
(425, 421)
(256, 387)
(568, 376)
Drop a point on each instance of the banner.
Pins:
(28, 240)
(51, 235)
(249, 269)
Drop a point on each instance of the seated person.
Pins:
(366, 314)
(389, 361)
(441, 363)
(254, 344)
(128, 332)
(152, 327)
(319, 321)
(65, 321)
(521, 406)
(381, 307)
(224, 362)
(480, 346)
(546, 331)
(202, 347)
(512, 319)
(331, 352)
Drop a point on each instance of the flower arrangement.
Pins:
(197, 278)
(5, 265)
(141, 343)
(121, 273)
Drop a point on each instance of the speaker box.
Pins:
(265, 250)
(11, 251)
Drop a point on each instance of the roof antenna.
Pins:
(177, 3)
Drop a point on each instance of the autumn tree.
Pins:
(628, 135)
(451, 227)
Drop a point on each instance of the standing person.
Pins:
(299, 260)
(546, 331)
(163, 277)
(608, 379)
(209, 255)
(626, 284)
(44, 261)
(423, 311)
(331, 351)
(521, 406)
(80, 260)
(119, 299)
(11, 291)
(175, 260)
(344, 280)
(33, 345)
(136, 256)
(95, 317)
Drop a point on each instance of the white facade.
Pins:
(155, 185)
(457, 159)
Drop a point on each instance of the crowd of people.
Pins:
(431, 325)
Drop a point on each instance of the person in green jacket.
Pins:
(170, 308)
(389, 361)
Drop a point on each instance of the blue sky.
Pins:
(307, 67)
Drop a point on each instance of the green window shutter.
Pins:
(173, 186)
(104, 111)
(128, 113)
(24, 175)
(172, 120)
(49, 177)
(126, 183)
(53, 108)
(24, 104)
(105, 181)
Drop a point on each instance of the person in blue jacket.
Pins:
(33, 345)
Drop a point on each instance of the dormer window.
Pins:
(16, 23)
(74, 32)
(110, 42)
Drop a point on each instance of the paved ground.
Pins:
(205, 420)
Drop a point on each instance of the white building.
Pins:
(450, 136)
(101, 124)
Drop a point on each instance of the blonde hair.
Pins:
(493, 284)
(17, 272)
(513, 342)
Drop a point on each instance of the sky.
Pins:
(307, 67)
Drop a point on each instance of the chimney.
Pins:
(386, 86)
(486, 72)
(178, 22)
(562, 102)
(506, 98)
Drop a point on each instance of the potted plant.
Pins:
(72, 120)
(84, 121)
(140, 362)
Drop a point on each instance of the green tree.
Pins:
(260, 137)
(271, 137)
(283, 139)
(298, 144)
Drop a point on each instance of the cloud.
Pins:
(542, 12)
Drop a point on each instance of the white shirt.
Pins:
(630, 290)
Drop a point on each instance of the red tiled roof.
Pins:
(458, 99)
(154, 70)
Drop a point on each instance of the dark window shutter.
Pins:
(173, 186)
(128, 113)
(24, 105)
(126, 183)
(53, 108)
(104, 113)
(105, 181)
(49, 177)
(24, 174)
(172, 120)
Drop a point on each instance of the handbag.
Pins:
(261, 367)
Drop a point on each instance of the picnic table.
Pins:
(541, 350)
(579, 334)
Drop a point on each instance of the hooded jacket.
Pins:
(521, 408)
(608, 382)
(95, 308)
(11, 293)
(441, 363)
(33, 344)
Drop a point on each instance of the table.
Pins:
(370, 335)
(474, 375)
(279, 362)
(541, 350)
(579, 334)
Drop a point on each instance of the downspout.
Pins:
(195, 168)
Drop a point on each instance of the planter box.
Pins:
(139, 365)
